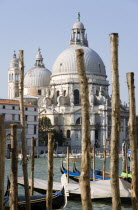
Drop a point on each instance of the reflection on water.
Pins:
(41, 172)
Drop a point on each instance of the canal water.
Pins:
(41, 173)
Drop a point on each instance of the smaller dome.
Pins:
(37, 77)
(79, 25)
(14, 62)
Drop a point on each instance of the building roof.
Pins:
(13, 102)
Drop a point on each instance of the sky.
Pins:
(29, 24)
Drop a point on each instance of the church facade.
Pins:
(57, 93)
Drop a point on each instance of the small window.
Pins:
(35, 129)
(68, 133)
(3, 107)
(78, 121)
(19, 117)
(35, 109)
(3, 115)
(13, 107)
(39, 92)
(13, 116)
(35, 118)
(76, 97)
(26, 108)
(99, 67)
(19, 107)
(26, 117)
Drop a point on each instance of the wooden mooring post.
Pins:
(85, 160)
(124, 156)
(22, 121)
(133, 141)
(32, 166)
(104, 161)
(2, 159)
(94, 162)
(50, 171)
(14, 169)
(67, 164)
(115, 129)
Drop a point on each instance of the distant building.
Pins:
(11, 112)
(58, 93)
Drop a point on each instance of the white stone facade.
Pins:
(10, 110)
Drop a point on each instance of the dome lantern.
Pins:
(78, 36)
(14, 62)
(39, 59)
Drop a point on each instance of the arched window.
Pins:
(57, 93)
(64, 92)
(68, 133)
(76, 97)
(97, 93)
(12, 77)
(78, 121)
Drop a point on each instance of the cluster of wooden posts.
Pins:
(85, 161)
(14, 156)
(115, 131)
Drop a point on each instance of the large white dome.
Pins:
(66, 62)
(37, 77)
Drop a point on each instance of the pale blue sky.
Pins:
(29, 24)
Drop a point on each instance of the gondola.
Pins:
(75, 175)
(38, 202)
(98, 173)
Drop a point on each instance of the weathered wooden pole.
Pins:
(32, 166)
(22, 121)
(94, 162)
(85, 160)
(124, 157)
(2, 159)
(50, 171)
(115, 129)
(104, 162)
(14, 169)
(132, 137)
(67, 164)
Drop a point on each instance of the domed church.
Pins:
(58, 93)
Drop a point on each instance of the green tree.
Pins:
(45, 126)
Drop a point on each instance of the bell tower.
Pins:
(13, 78)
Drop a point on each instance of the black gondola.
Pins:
(38, 202)
(75, 175)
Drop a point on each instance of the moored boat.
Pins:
(59, 200)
